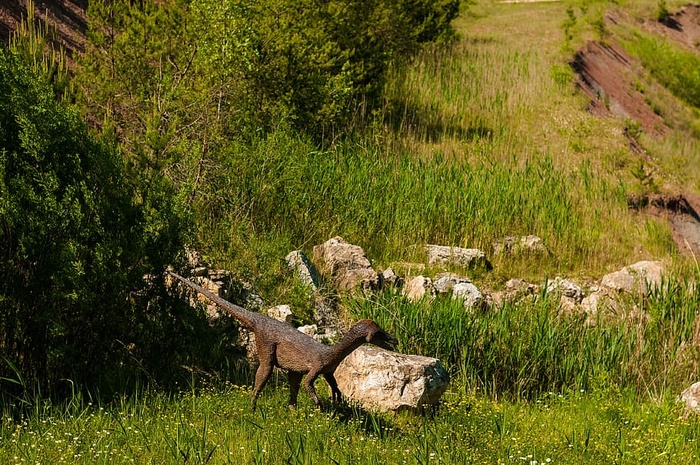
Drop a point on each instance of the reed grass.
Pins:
(296, 196)
(647, 344)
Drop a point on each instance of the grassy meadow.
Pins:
(529, 385)
(477, 140)
(216, 426)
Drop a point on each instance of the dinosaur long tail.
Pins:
(239, 313)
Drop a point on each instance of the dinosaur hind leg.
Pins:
(294, 383)
(261, 376)
(336, 395)
(309, 386)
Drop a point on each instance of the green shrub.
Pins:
(186, 70)
(76, 240)
(675, 68)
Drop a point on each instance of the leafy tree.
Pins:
(172, 77)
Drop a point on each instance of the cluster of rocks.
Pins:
(596, 300)
(221, 283)
(375, 378)
(384, 380)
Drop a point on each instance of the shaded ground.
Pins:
(682, 212)
(66, 18)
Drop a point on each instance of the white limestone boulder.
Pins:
(526, 245)
(345, 265)
(281, 313)
(388, 278)
(309, 330)
(304, 269)
(567, 289)
(445, 282)
(691, 398)
(418, 287)
(441, 255)
(640, 277)
(469, 294)
(381, 380)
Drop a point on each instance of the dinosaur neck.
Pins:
(351, 341)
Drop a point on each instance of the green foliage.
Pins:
(675, 68)
(137, 82)
(662, 12)
(533, 347)
(76, 242)
(169, 76)
(34, 42)
(568, 26)
(288, 194)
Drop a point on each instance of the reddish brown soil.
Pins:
(65, 17)
(682, 27)
(606, 74)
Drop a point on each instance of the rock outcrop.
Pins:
(345, 265)
(444, 283)
(418, 287)
(469, 294)
(305, 270)
(526, 245)
(691, 398)
(639, 277)
(281, 313)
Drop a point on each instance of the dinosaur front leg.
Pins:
(336, 395)
(309, 386)
(294, 383)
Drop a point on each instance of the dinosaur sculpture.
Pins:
(281, 345)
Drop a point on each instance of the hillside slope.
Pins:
(632, 139)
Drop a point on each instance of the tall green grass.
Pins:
(522, 350)
(676, 68)
(285, 194)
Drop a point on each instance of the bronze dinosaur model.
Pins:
(283, 346)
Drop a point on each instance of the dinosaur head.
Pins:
(377, 336)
